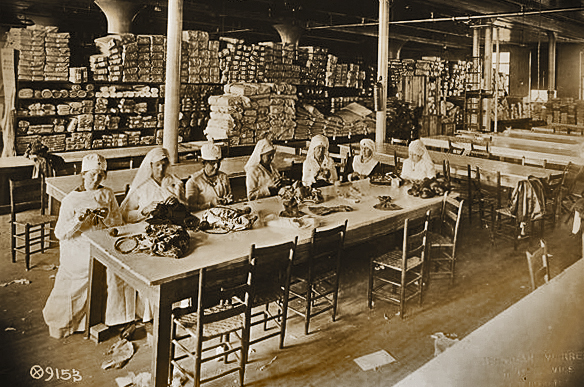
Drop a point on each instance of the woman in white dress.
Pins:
(262, 178)
(148, 188)
(365, 164)
(209, 187)
(418, 165)
(319, 168)
(89, 207)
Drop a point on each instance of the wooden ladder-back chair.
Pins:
(442, 241)
(554, 186)
(224, 293)
(397, 276)
(456, 148)
(570, 192)
(314, 287)
(480, 150)
(273, 266)
(477, 195)
(30, 231)
(539, 271)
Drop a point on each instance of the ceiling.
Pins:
(346, 27)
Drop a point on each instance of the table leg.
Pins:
(161, 339)
(96, 294)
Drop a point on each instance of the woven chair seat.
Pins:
(34, 219)
(189, 322)
(393, 259)
(437, 239)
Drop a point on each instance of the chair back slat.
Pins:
(325, 249)
(272, 267)
(223, 283)
(415, 243)
(25, 194)
(537, 262)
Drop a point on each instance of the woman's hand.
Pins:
(149, 208)
(354, 176)
(323, 174)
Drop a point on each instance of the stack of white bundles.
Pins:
(57, 55)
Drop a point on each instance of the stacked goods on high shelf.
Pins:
(248, 112)
(242, 63)
(44, 53)
(49, 114)
(200, 58)
(279, 63)
(129, 58)
(561, 111)
(580, 113)
(345, 123)
(343, 74)
(455, 78)
(312, 62)
(122, 112)
(194, 108)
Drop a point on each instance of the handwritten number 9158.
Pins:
(37, 372)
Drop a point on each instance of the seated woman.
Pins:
(147, 188)
(209, 187)
(319, 168)
(262, 179)
(89, 207)
(365, 164)
(418, 165)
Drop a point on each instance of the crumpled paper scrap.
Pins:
(22, 281)
(442, 342)
(133, 380)
(120, 353)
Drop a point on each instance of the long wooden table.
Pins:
(510, 173)
(59, 187)
(538, 341)
(164, 280)
(516, 149)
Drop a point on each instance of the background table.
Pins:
(165, 280)
(59, 187)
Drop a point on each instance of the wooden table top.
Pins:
(531, 340)
(59, 187)
(510, 173)
(13, 163)
(549, 137)
(511, 148)
(364, 222)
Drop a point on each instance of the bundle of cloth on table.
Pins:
(428, 188)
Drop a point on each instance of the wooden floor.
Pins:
(488, 281)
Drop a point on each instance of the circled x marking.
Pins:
(37, 372)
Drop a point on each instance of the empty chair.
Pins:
(572, 188)
(456, 148)
(539, 271)
(224, 294)
(30, 231)
(273, 265)
(478, 198)
(442, 241)
(553, 196)
(480, 150)
(314, 287)
(397, 276)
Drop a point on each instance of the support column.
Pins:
(289, 33)
(172, 84)
(382, 66)
(497, 64)
(488, 76)
(119, 14)
(551, 64)
(476, 53)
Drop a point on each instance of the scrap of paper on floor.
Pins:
(374, 360)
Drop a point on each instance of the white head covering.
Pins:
(365, 166)
(417, 147)
(262, 147)
(367, 143)
(145, 171)
(93, 162)
(210, 152)
(318, 140)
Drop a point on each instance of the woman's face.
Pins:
(366, 152)
(416, 158)
(267, 158)
(92, 179)
(211, 167)
(319, 152)
(159, 169)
